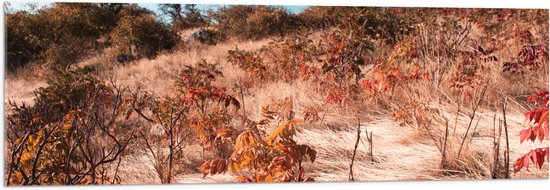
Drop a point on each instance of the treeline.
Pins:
(63, 33)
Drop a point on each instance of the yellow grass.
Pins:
(402, 153)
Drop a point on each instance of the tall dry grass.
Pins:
(401, 152)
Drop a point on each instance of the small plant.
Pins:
(467, 76)
(311, 113)
(386, 78)
(395, 70)
(251, 62)
(294, 57)
(199, 110)
(209, 105)
(273, 157)
(167, 132)
(531, 56)
(420, 114)
(341, 61)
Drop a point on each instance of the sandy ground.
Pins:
(398, 153)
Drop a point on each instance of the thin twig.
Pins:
(444, 147)
(476, 106)
(507, 151)
(350, 177)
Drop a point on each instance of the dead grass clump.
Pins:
(473, 163)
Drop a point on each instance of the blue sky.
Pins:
(154, 7)
(19, 5)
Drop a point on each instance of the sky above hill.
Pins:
(154, 7)
(24, 5)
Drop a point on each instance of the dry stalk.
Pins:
(350, 177)
(477, 104)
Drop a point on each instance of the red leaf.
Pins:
(525, 134)
(532, 98)
(526, 162)
(520, 163)
(534, 158)
(540, 118)
(538, 132)
(538, 157)
(533, 116)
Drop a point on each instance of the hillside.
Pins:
(401, 153)
(446, 98)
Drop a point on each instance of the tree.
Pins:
(183, 17)
(171, 10)
(139, 30)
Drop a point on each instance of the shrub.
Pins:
(253, 22)
(168, 130)
(23, 41)
(363, 23)
(142, 35)
(273, 157)
(230, 20)
(370, 23)
(58, 34)
(208, 36)
(72, 135)
(199, 109)
(66, 52)
(318, 17)
(249, 61)
(268, 21)
(210, 116)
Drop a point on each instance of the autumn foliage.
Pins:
(55, 141)
(254, 111)
(538, 119)
(271, 157)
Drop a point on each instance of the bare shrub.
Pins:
(75, 131)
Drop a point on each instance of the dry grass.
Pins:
(158, 75)
(402, 153)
